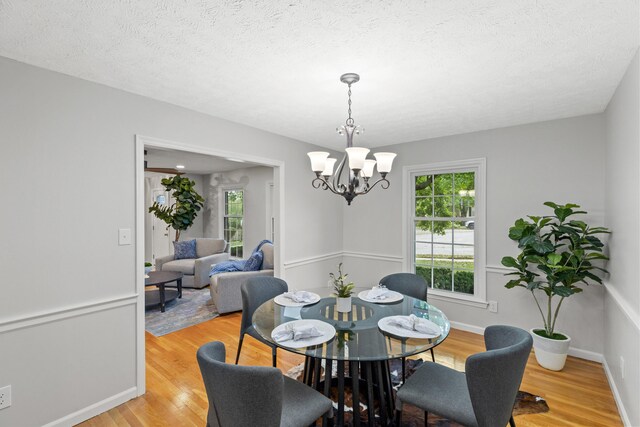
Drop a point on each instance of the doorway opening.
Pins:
(256, 216)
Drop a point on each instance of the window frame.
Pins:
(223, 214)
(478, 166)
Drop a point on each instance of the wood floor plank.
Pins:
(577, 396)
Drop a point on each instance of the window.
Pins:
(233, 217)
(445, 227)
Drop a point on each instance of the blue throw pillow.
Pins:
(254, 262)
(185, 249)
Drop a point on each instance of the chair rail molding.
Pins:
(20, 322)
(311, 259)
(624, 305)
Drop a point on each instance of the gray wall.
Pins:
(253, 181)
(622, 300)
(561, 161)
(67, 311)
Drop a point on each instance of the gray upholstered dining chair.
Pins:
(408, 284)
(255, 395)
(485, 394)
(255, 292)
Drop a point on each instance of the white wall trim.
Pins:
(374, 257)
(66, 313)
(310, 260)
(498, 269)
(631, 314)
(616, 395)
(466, 327)
(94, 409)
(575, 352)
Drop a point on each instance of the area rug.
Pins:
(526, 403)
(195, 306)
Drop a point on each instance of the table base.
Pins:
(371, 379)
(160, 297)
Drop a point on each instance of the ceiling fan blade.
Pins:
(164, 170)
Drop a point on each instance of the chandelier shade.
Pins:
(359, 169)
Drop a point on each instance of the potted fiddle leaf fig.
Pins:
(184, 210)
(558, 254)
(342, 290)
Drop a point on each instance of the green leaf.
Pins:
(510, 262)
(563, 291)
(554, 259)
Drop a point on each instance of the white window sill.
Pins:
(470, 300)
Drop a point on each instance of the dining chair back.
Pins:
(494, 377)
(406, 283)
(255, 292)
(483, 395)
(412, 285)
(255, 395)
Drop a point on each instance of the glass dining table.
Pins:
(358, 354)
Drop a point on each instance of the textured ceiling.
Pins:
(428, 68)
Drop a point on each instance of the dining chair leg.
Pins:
(239, 348)
(398, 417)
(433, 356)
(273, 356)
(426, 419)
(404, 369)
(512, 422)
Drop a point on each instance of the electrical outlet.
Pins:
(493, 306)
(621, 367)
(5, 397)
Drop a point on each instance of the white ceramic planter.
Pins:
(550, 354)
(147, 270)
(343, 304)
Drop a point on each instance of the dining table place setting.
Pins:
(297, 298)
(410, 326)
(379, 294)
(303, 333)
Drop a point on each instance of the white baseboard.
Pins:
(616, 394)
(575, 352)
(466, 327)
(586, 354)
(95, 409)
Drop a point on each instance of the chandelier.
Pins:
(360, 170)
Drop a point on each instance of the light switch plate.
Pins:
(5, 397)
(124, 236)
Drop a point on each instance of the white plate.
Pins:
(384, 325)
(286, 302)
(392, 296)
(328, 332)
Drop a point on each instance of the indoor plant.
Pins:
(558, 254)
(184, 210)
(342, 290)
(147, 268)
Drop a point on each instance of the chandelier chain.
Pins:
(349, 120)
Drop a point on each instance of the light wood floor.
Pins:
(579, 395)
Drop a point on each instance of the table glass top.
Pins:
(358, 336)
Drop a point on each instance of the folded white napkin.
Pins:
(296, 333)
(299, 296)
(415, 323)
(378, 292)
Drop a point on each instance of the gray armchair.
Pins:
(196, 270)
(225, 287)
(485, 394)
(255, 395)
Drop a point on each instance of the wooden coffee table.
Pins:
(161, 295)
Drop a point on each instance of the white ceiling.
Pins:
(429, 68)
(192, 162)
